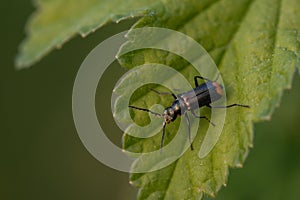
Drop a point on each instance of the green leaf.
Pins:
(57, 21)
(256, 45)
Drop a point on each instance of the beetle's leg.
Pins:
(164, 93)
(162, 137)
(189, 130)
(206, 79)
(202, 117)
(196, 81)
(229, 106)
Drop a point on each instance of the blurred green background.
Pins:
(43, 158)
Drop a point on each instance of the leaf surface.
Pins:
(256, 47)
(255, 44)
(56, 21)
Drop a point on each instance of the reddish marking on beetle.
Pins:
(218, 88)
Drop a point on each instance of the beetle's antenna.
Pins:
(164, 93)
(146, 110)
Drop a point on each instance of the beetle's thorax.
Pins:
(171, 113)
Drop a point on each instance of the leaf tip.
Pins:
(267, 118)
(239, 165)
(21, 63)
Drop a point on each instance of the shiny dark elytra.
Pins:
(201, 95)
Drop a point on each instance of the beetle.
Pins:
(202, 95)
